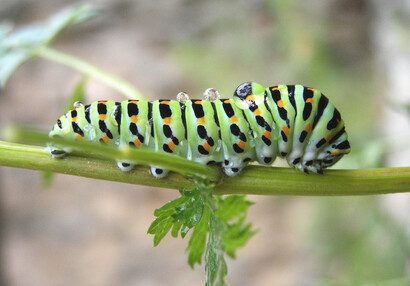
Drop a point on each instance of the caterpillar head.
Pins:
(249, 94)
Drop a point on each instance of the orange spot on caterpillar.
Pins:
(167, 120)
(250, 98)
(233, 119)
(164, 102)
(134, 118)
(198, 102)
(105, 139)
(133, 101)
(328, 137)
(285, 130)
(275, 88)
(137, 142)
(201, 120)
(311, 89)
(206, 146)
(267, 134)
(335, 153)
(280, 103)
(171, 145)
(241, 144)
(258, 112)
(74, 119)
(103, 117)
(309, 100)
(79, 137)
(227, 101)
(102, 102)
(308, 127)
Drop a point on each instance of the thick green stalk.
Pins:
(105, 152)
(104, 77)
(37, 158)
(256, 180)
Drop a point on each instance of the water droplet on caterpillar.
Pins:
(182, 97)
(78, 104)
(211, 94)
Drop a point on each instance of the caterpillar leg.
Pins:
(158, 172)
(56, 153)
(232, 171)
(125, 167)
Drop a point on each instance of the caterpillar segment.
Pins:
(258, 124)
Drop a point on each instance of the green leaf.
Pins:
(160, 227)
(189, 213)
(47, 179)
(78, 94)
(21, 45)
(221, 219)
(232, 207)
(164, 221)
(237, 235)
(38, 34)
(215, 266)
(175, 229)
(407, 107)
(9, 62)
(197, 241)
(169, 208)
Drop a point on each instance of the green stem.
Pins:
(127, 154)
(37, 158)
(255, 180)
(104, 77)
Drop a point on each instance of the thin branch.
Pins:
(256, 180)
(92, 71)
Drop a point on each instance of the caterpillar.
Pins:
(258, 124)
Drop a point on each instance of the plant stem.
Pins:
(37, 158)
(141, 156)
(92, 71)
(255, 180)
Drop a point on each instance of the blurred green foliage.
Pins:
(358, 243)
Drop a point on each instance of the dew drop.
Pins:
(182, 97)
(78, 104)
(211, 94)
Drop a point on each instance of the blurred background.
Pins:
(89, 232)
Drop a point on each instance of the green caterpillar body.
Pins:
(257, 124)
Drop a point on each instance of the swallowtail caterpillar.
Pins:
(258, 124)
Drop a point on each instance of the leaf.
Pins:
(21, 45)
(47, 179)
(39, 34)
(219, 219)
(9, 63)
(160, 227)
(189, 213)
(169, 207)
(215, 266)
(197, 241)
(175, 229)
(78, 94)
(237, 236)
(232, 207)
(180, 214)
